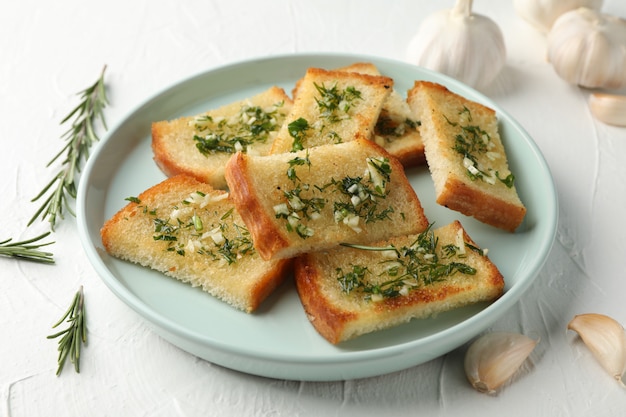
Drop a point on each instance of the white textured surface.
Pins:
(51, 50)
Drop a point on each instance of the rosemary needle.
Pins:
(79, 139)
(73, 336)
(27, 249)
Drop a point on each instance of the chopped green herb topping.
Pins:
(335, 103)
(297, 130)
(509, 180)
(473, 143)
(235, 247)
(297, 161)
(185, 232)
(359, 201)
(252, 125)
(405, 268)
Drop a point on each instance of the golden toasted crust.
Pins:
(339, 315)
(483, 206)
(174, 146)
(259, 221)
(327, 318)
(260, 185)
(358, 67)
(361, 68)
(195, 256)
(445, 117)
(355, 102)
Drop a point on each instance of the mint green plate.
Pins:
(278, 341)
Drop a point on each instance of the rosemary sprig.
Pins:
(27, 249)
(74, 335)
(79, 139)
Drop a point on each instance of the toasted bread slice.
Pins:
(199, 146)
(319, 197)
(466, 157)
(189, 231)
(332, 107)
(350, 291)
(396, 130)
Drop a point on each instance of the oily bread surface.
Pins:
(354, 117)
(445, 116)
(131, 235)
(259, 184)
(175, 150)
(339, 316)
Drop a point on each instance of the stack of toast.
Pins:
(313, 187)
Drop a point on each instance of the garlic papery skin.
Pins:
(605, 338)
(494, 357)
(466, 46)
(608, 108)
(588, 48)
(543, 13)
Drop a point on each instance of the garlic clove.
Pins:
(543, 13)
(588, 48)
(608, 108)
(605, 338)
(494, 357)
(466, 46)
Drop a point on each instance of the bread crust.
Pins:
(327, 319)
(260, 223)
(268, 283)
(459, 196)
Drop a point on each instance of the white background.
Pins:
(50, 50)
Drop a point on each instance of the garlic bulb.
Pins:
(606, 339)
(542, 13)
(465, 46)
(494, 357)
(608, 108)
(588, 48)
